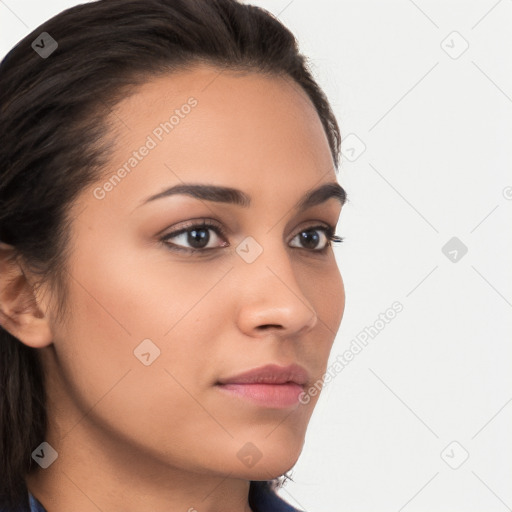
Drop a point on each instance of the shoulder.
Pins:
(35, 506)
(31, 505)
(264, 499)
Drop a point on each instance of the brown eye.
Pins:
(196, 237)
(316, 238)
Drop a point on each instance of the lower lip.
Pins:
(276, 396)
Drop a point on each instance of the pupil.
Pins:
(198, 238)
(310, 238)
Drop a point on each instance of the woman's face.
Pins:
(153, 329)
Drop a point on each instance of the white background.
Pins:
(436, 124)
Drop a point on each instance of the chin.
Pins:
(274, 459)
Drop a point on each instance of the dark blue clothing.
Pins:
(261, 499)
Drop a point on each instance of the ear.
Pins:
(20, 313)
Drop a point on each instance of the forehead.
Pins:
(256, 132)
(214, 86)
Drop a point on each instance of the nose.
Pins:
(271, 298)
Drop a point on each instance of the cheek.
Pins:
(334, 299)
(118, 303)
(325, 290)
(121, 298)
(139, 292)
(326, 294)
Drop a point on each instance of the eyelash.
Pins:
(327, 229)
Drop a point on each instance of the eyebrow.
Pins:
(234, 196)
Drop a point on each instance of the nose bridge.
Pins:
(273, 295)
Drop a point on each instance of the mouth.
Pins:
(270, 386)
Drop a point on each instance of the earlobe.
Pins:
(20, 313)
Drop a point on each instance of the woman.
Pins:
(169, 293)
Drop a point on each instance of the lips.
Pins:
(270, 386)
(270, 374)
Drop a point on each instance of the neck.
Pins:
(88, 480)
(100, 470)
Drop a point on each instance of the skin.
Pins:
(162, 437)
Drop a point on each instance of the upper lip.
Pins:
(270, 374)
